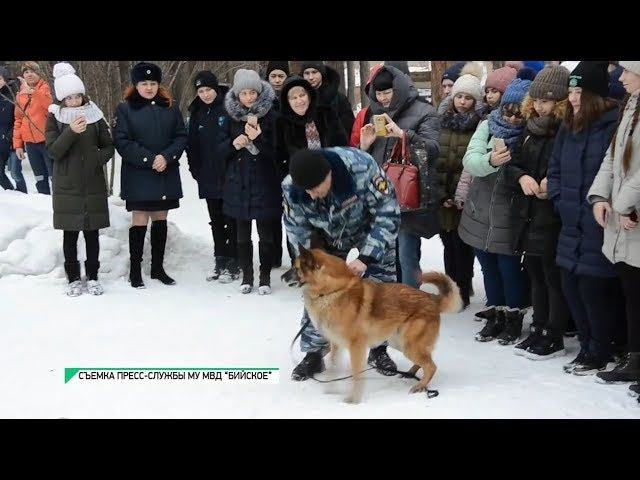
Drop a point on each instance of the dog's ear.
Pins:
(307, 260)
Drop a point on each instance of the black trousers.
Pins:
(630, 280)
(597, 307)
(223, 228)
(70, 249)
(550, 308)
(245, 246)
(458, 261)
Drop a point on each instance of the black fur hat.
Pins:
(145, 71)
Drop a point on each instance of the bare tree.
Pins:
(364, 76)
(351, 81)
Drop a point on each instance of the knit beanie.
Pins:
(550, 84)
(246, 80)
(500, 78)
(631, 66)
(317, 64)
(591, 76)
(468, 82)
(308, 168)
(277, 65)
(516, 91)
(66, 81)
(205, 78)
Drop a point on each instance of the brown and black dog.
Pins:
(355, 314)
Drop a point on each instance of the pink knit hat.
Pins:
(500, 78)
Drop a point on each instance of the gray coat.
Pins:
(486, 219)
(622, 191)
(79, 187)
(418, 119)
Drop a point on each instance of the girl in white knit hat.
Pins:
(79, 143)
(458, 123)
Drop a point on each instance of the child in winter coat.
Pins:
(535, 225)
(252, 186)
(615, 195)
(79, 143)
(588, 278)
(457, 126)
(485, 223)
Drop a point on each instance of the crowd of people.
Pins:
(536, 171)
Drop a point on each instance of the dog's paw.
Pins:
(353, 399)
(418, 388)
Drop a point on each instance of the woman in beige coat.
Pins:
(615, 195)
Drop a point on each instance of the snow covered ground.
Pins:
(201, 324)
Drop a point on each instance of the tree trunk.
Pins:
(351, 82)
(437, 70)
(364, 76)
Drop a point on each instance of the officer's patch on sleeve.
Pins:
(381, 184)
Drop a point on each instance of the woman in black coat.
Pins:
(536, 226)
(252, 183)
(303, 123)
(150, 136)
(207, 164)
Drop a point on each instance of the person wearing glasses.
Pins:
(486, 222)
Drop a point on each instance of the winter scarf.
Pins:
(460, 122)
(500, 128)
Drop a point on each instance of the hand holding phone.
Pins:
(498, 144)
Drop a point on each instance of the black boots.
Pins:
(158, 243)
(136, 244)
(626, 371)
(513, 327)
(379, 358)
(310, 365)
(494, 326)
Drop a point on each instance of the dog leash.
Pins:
(430, 393)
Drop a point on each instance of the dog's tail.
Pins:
(449, 293)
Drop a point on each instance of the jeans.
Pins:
(504, 281)
(409, 255)
(41, 165)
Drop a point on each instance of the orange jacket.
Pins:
(36, 106)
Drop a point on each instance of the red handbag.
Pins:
(404, 176)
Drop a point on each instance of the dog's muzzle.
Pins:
(291, 277)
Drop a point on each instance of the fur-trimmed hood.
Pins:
(263, 104)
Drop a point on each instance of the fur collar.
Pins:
(239, 112)
(136, 101)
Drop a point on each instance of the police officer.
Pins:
(341, 194)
